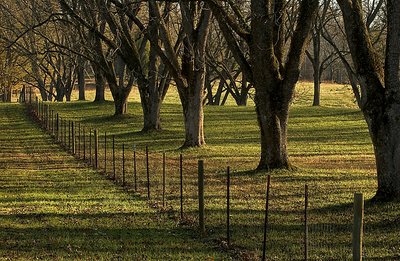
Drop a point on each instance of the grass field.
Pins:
(329, 145)
(54, 208)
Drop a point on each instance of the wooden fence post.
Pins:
(358, 226)
(202, 228)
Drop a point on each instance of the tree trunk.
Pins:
(272, 116)
(193, 118)
(121, 106)
(316, 68)
(151, 113)
(81, 81)
(384, 132)
(100, 84)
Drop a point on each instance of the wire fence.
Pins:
(173, 185)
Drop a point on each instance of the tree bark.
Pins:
(81, 79)
(384, 130)
(194, 118)
(100, 83)
(380, 91)
(316, 68)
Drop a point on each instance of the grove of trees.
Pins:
(210, 50)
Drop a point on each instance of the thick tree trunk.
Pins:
(121, 106)
(272, 116)
(384, 131)
(100, 84)
(81, 82)
(193, 118)
(151, 106)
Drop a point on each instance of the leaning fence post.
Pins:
(266, 218)
(202, 228)
(96, 149)
(358, 226)
(306, 222)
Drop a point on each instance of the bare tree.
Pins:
(379, 90)
(274, 77)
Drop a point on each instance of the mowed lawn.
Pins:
(329, 144)
(52, 207)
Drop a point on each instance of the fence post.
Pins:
(30, 94)
(113, 155)
(123, 165)
(69, 135)
(181, 182)
(358, 226)
(147, 172)
(163, 181)
(73, 137)
(266, 218)
(37, 107)
(306, 222)
(96, 149)
(65, 133)
(52, 123)
(57, 127)
(105, 153)
(47, 117)
(202, 228)
(90, 148)
(134, 166)
(79, 140)
(228, 207)
(84, 144)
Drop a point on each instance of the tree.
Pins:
(189, 70)
(380, 90)
(273, 74)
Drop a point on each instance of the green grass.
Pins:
(330, 146)
(54, 207)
